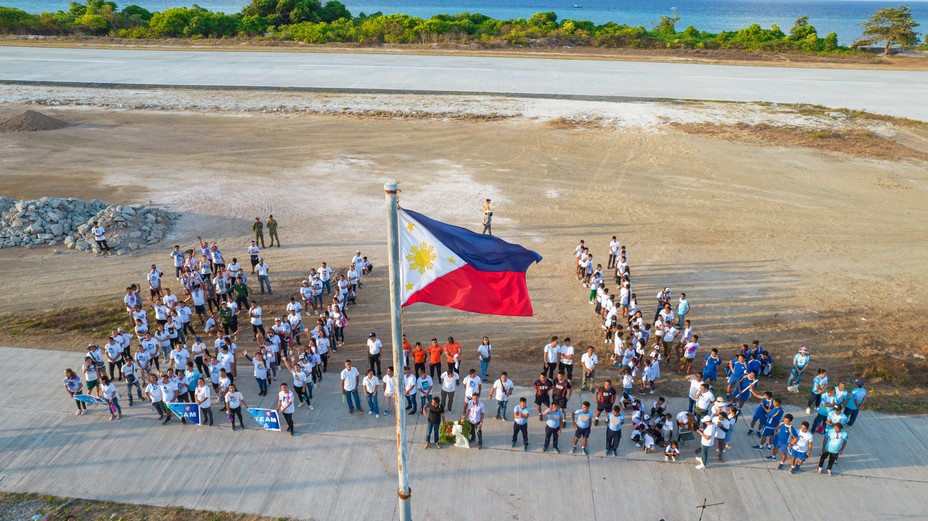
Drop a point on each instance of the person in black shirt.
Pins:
(435, 414)
(543, 393)
(605, 398)
(562, 390)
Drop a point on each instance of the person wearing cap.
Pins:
(800, 362)
(707, 434)
(855, 402)
(373, 353)
(272, 230)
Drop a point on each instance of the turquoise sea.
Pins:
(841, 16)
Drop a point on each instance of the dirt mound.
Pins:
(31, 121)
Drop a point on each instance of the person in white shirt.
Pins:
(325, 276)
(501, 391)
(371, 385)
(472, 384)
(424, 386)
(566, 359)
(373, 353)
(589, 361)
(262, 270)
(111, 395)
(389, 390)
(484, 352)
(99, 236)
(449, 384)
(613, 249)
(168, 395)
(409, 390)
(285, 406)
(113, 352)
(551, 353)
(689, 353)
(202, 396)
(234, 403)
(350, 379)
(179, 357)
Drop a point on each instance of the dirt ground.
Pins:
(792, 246)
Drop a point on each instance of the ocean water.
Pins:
(841, 16)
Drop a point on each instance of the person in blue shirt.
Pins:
(711, 372)
(520, 414)
(760, 413)
(582, 418)
(744, 389)
(832, 447)
(800, 361)
(554, 418)
(835, 417)
(825, 406)
(784, 433)
(614, 421)
(736, 370)
(819, 383)
(755, 351)
(753, 365)
(771, 421)
(855, 402)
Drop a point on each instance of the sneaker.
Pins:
(545, 449)
(370, 412)
(376, 416)
(525, 448)
(513, 444)
(311, 408)
(585, 453)
(637, 444)
(770, 458)
(819, 470)
(808, 410)
(750, 432)
(300, 404)
(615, 454)
(427, 445)
(573, 450)
(557, 450)
(780, 466)
(700, 466)
(666, 458)
(769, 447)
(596, 422)
(757, 447)
(828, 472)
(792, 470)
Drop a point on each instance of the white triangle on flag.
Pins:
(423, 258)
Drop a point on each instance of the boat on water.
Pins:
(576, 6)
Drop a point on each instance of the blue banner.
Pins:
(90, 400)
(267, 418)
(189, 411)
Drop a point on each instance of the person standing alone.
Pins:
(99, 235)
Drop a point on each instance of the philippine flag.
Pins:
(450, 266)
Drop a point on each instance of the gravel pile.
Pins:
(31, 121)
(52, 221)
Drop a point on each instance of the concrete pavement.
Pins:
(897, 93)
(344, 467)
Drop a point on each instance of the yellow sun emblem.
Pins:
(420, 258)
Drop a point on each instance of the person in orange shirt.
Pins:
(418, 355)
(453, 355)
(407, 347)
(435, 352)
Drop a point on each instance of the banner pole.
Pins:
(404, 493)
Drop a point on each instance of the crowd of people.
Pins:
(200, 364)
(182, 347)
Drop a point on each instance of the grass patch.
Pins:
(853, 141)
(53, 508)
(80, 319)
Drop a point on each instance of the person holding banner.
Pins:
(169, 394)
(203, 399)
(234, 402)
(285, 405)
(111, 395)
(72, 384)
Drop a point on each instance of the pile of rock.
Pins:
(52, 221)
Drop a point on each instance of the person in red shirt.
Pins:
(453, 355)
(418, 356)
(407, 347)
(435, 351)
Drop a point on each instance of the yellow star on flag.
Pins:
(452, 260)
(410, 227)
(410, 286)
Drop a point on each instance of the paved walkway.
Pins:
(344, 467)
(898, 93)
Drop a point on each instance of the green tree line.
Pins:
(314, 22)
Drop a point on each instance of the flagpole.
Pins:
(393, 249)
